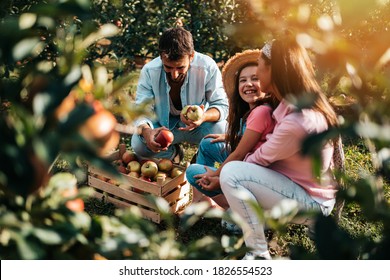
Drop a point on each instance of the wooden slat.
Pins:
(180, 204)
(179, 193)
(128, 195)
(147, 214)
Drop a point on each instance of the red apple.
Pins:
(128, 156)
(165, 165)
(164, 138)
(113, 182)
(149, 169)
(77, 204)
(134, 166)
(145, 178)
(122, 169)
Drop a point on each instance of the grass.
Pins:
(352, 220)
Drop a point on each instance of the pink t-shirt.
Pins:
(260, 120)
(282, 150)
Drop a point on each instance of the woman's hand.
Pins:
(209, 180)
(217, 137)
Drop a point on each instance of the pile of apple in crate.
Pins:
(139, 180)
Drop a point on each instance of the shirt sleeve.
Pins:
(215, 92)
(284, 142)
(144, 94)
(260, 119)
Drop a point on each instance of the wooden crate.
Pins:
(130, 191)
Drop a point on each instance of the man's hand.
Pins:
(190, 125)
(149, 135)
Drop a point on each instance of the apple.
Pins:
(192, 112)
(113, 182)
(119, 166)
(134, 166)
(100, 177)
(122, 169)
(133, 174)
(165, 165)
(128, 156)
(160, 174)
(75, 205)
(149, 169)
(164, 138)
(176, 171)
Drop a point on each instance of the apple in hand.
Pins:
(165, 165)
(149, 169)
(134, 166)
(164, 138)
(192, 112)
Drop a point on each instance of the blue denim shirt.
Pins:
(202, 85)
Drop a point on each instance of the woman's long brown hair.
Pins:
(293, 74)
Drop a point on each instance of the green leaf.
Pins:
(28, 249)
(47, 236)
(29, 46)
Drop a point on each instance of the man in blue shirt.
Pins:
(180, 76)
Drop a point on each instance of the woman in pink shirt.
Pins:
(249, 121)
(277, 170)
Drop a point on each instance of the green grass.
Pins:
(352, 220)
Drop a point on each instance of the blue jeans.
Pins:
(266, 188)
(208, 154)
(193, 137)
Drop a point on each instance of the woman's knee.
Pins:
(206, 146)
(228, 174)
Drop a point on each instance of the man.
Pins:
(180, 76)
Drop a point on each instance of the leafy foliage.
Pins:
(52, 48)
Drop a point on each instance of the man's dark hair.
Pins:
(175, 43)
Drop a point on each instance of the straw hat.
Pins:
(233, 65)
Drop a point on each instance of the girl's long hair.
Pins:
(239, 111)
(293, 74)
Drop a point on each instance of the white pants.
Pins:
(267, 188)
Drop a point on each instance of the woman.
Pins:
(249, 120)
(277, 170)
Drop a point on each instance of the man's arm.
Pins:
(216, 95)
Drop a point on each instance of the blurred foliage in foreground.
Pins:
(53, 86)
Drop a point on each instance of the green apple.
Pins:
(149, 169)
(192, 112)
(134, 166)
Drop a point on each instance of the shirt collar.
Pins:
(283, 109)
